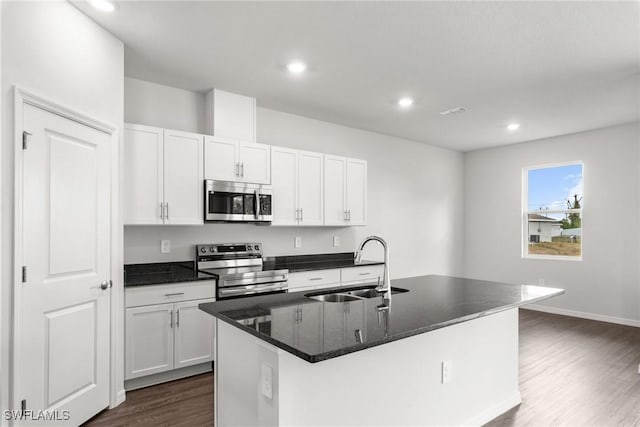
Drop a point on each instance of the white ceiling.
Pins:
(554, 67)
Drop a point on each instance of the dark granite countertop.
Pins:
(316, 331)
(298, 263)
(162, 273)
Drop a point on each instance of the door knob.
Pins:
(106, 284)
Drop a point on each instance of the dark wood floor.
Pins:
(573, 372)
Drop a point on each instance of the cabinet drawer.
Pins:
(362, 274)
(314, 279)
(175, 292)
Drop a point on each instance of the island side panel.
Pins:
(399, 383)
(240, 399)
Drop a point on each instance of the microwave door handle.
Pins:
(257, 202)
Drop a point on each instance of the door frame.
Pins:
(116, 321)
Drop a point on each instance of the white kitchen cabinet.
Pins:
(345, 191)
(163, 176)
(142, 169)
(172, 335)
(149, 340)
(365, 274)
(297, 183)
(194, 334)
(183, 178)
(229, 160)
(315, 279)
(230, 115)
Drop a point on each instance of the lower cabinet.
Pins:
(321, 279)
(167, 336)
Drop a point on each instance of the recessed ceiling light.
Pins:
(103, 5)
(296, 67)
(405, 102)
(513, 126)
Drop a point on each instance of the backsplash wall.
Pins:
(414, 195)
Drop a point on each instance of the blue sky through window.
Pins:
(550, 188)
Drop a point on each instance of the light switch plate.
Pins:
(266, 383)
(165, 246)
(336, 241)
(297, 242)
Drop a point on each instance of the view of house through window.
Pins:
(553, 217)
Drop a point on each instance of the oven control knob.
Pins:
(212, 249)
(256, 247)
(203, 250)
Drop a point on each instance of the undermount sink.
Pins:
(334, 297)
(347, 295)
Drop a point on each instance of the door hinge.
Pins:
(24, 274)
(25, 137)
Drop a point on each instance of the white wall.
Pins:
(606, 283)
(163, 106)
(415, 200)
(53, 50)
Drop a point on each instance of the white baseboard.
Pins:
(120, 397)
(583, 315)
(164, 377)
(495, 411)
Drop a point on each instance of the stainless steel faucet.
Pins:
(386, 282)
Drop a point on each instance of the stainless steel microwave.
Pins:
(237, 202)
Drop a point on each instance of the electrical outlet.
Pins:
(266, 383)
(297, 242)
(446, 371)
(336, 241)
(165, 246)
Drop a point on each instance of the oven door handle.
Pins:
(250, 289)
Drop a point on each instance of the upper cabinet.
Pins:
(162, 176)
(297, 182)
(345, 195)
(230, 115)
(229, 160)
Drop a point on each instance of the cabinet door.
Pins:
(335, 174)
(142, 174)
(356, 192)
(255, 163)
(149, 340)
(183, 177)
(194, 334)
(284, 183)
(220, 159)
(311, 184)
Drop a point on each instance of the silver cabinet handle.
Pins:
(175, 294)
(242, 165)
(161, 210)
(171, 321)
(178, 318)
(297, 214)
(301, 215)
(364, 274)
(238, 169)
(315, 278)
(348, 215)
(167, 214)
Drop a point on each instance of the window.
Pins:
(553, 200)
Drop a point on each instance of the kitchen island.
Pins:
(442, 351)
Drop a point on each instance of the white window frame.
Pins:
(525, 214)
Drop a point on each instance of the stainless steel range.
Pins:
(240, 270)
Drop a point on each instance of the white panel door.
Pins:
(284, 183)
(149, 340)
(63, 316)
(183, 177)
(142, 174)
(356, 192)
(255, 163)
(311, 184)
(221, 159)
(194, 334)
(335, 175)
